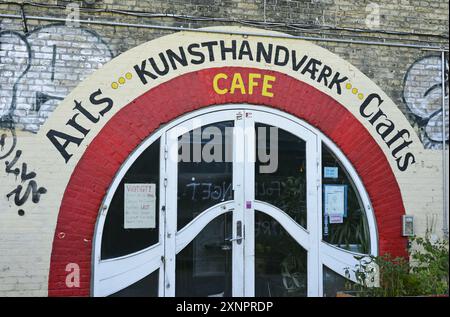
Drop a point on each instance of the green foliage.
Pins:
(430, 265)
(426, 274)
(354, 230)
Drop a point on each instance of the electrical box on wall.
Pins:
(408, 226)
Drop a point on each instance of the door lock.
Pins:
(239, 236)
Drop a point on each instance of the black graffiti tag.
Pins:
(22, 192)
(31, 188)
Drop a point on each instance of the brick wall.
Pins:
(41, 62)
(59, 57)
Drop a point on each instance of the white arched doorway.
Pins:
(238, 197)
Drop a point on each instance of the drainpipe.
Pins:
(444, 153)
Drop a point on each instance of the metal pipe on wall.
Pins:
(444, 152)
(284, 36)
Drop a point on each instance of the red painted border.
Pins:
(131, 125)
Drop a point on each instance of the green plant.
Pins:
(426, 274)
(390, 273)
(430, 265)
(353, 230)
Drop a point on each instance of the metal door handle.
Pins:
(234, 239)
(239, 236)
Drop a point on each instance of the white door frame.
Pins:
(171, 180)
(240, 135)
(312, 183)
(112, 275)
(243, 255)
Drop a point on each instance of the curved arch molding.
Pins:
(126, 100)
(124, 132)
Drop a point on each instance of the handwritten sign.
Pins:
(335, 202)
(140, 206)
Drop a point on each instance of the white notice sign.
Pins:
(335, 202)
(139, 206)
(330, 172)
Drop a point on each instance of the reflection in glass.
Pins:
(146, 287)
(117, 241)
(280, 262)
(351, 231)
(334, 283)
(284, 188)
(203, 267)
(205, 169)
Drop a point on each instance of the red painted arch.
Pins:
(132, 124)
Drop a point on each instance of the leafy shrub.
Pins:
(385, 276)
(430, 266)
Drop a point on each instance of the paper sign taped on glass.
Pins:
(335, 202)
(139, 206)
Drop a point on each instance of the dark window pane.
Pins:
(203, 184)
(334, 283)
(203, 267)
(351, 232)
(117, 241)
(285, 187)
(280, 262)
(147, 287)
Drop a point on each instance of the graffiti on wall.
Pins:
(40, 68)
(422, 93)
(26, 183)
(37, 70)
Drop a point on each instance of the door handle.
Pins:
(234, 239)
(239, 236)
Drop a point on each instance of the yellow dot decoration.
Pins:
(122, 80)
(354, 91)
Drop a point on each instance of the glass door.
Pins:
(204, 226)
(243, 210)
(241, 204)
(281, 214)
